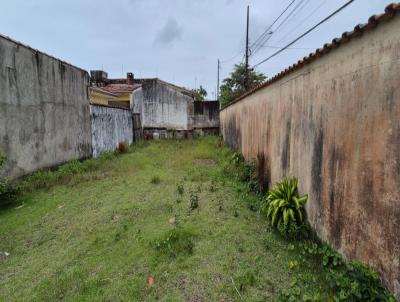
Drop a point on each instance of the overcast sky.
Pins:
(176, 40)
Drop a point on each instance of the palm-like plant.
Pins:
(284, 207)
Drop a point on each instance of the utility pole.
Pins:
(218, 81)
(246, 80)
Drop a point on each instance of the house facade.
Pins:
(168, 110)
(165, 109)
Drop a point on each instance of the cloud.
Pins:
(170, 32)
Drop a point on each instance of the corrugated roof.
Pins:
(390, 11)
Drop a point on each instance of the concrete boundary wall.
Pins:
(334, 122)
(44, 109)
(110, 126)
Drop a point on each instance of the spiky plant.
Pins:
(284, 207)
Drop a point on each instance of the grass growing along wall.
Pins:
(100, 237)
(284, 210)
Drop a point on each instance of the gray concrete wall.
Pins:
(110, 126)
(162, 106)
(44, 110)
(335, 124)
(206, 114)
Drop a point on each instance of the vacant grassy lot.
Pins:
(173, 210)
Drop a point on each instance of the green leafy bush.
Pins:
(357, 283)
(284, 207)
(345, 282)
(254, 174)
(237, 158)
(322, 252)
(247, 175)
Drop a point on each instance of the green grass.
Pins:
(96, 230)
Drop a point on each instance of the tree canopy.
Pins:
(234, 86)
(199, 93)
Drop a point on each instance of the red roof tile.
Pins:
(121, 87)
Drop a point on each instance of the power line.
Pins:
(295, 48)
(302, 21)
(273, 23)
(295, 12)
(306, 33)
(257, 47)
(234, 57)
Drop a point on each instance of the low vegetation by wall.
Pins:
(43, 108)
(333, 121)
(110, 127)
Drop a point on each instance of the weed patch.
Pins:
(176, 242)
(194, 201)
(155, 180)
(180, 188)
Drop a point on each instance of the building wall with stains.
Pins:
(44, 109)
(334, 123)
(206, 114)
(162, 106)
(110, 126)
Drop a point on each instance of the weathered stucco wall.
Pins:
(162, 106)
(110, 126)
(335, 124)
(44, 109)
(206, 114)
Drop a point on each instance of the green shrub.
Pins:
(237, 158)
(322, 252)
(254, 175)
(246, 172)
(357, 283)
(175, 242)
(345, 282)
(284, 207)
